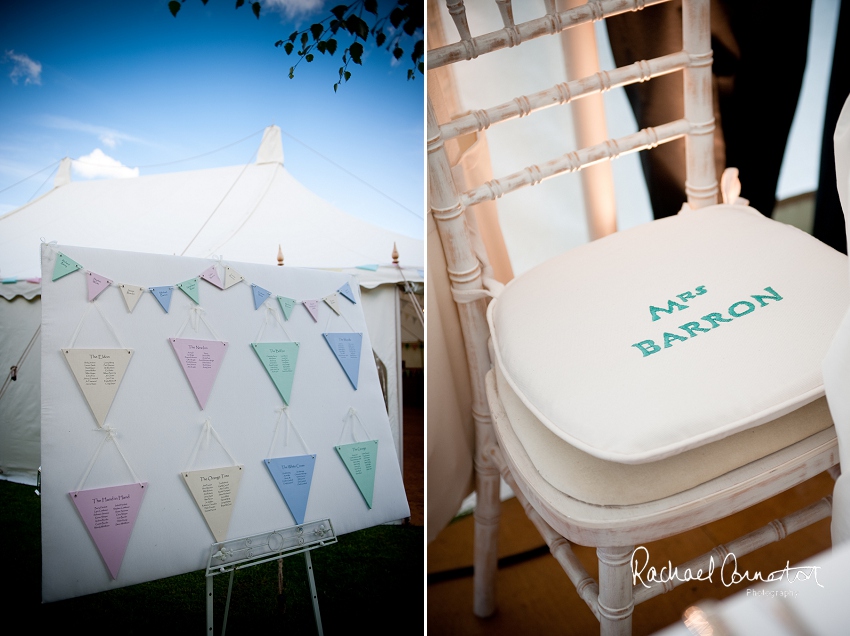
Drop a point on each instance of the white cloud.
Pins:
(23, 67)
(292, 9)
(98, 164)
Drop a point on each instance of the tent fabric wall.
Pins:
(20, 402)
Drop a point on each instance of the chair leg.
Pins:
(487, 513)
(615, 591)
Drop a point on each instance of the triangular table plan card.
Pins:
(286, 306)
(231, 277)
(332, 303)
(131, 294)
(214, 490)
(293, 476)
(190, 288)
(110, 514)
(201, 360)
(260, 295)
(163, 295)
(96, 284)
(346, 291)
(210, 274)
(346, 347)
(360, 459)
(279, 359)
(313, 307)
(64, 266)
(99, 373)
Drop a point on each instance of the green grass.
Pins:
(363, 582)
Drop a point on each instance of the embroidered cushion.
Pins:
(672, 334)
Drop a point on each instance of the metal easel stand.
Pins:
(236, 554)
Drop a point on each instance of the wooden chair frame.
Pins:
(560, 519)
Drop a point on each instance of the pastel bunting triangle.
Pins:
(210, 274)
(64, 265)
(215, 490)
(313, 307)
(293, 476)
(191, 288)
(279, 359)
(110, 514)
(346, 291)
(332, 303)
(98, 373)
(231, 277)
(96, 284)
(131, 294)
(286, 306)
(346, 348)
(360, 459)
(260, 295)
(201, 361)
(163, 295)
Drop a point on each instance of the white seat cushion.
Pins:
(673, 334)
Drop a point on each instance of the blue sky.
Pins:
(127, 83)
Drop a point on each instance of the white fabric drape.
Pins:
(836, 365)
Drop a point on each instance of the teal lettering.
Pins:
(734, 314)
(671, 304)
(691, 327)
(700, 290)
(670, 337)
(647, 347)
(715, 318)
(773, 296)
(685, 297)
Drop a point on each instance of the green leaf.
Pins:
(356, 50)
(322, 46)
(334, 26)
(422, 67)
(331, 46)
(174, 7)
(410, 74)
(205, 2)
(316, 30)
(279, 43)
(347, 76)
(304, 38)
(339, 11)
(371, 6)
(293, 36)
(239, 3)
(309, 57)
(255, 7)
(288, 48)
(380, 38)
(397, 52)
(291, 72)
(418, 50)
(341, 69)
(409, 27)
(396, 16)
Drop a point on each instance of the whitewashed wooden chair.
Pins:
(616, 419)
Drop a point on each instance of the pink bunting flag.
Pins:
(110, 514)
(210, 274)
(201, 361)
(96, 284)
(313, 307)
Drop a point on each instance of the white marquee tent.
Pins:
(240, 213)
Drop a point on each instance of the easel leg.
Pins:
(313, 592)
(227, 604)
(209, 605)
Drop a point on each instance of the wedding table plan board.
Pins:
(186, 401)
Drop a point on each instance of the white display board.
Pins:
(160, 433)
